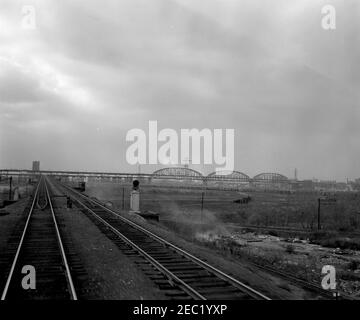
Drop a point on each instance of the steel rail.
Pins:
(63, 255)
(38, 204)
(3, 296)
(236, 283)
(171, 277)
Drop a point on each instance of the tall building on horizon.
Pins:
(36, 166)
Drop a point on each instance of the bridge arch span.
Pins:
(228, 175)
(271, 177)
(177, 172)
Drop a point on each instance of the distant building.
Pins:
(304, 185)
(355, 184)
(36, 166)
(342, 186)
(320, 185)
(325, 185)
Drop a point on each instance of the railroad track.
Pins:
(178, 272)
(293, 230)
(302, 283)
(41, 247)
(282, 229)
(289, 277)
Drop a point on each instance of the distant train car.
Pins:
(33, 181)
(245, 198)
(80, 186)
(77, 185)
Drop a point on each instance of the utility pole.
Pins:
(202, 205)
(123, 198)
(319, 226)
(187, 162)
(10, 190)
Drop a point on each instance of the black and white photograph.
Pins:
(178, 155)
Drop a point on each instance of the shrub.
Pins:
(342, 243)
(273, 233)
(321, 235)
(353, 265)
(290, 249)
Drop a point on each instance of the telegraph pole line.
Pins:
(202, 204)
(10, 190)
(319, 225)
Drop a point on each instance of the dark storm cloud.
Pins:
(17, 88)
(89, 72)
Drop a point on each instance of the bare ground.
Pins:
(275, 287)
(111, 274)
(9, 217)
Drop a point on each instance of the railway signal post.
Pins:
(135, 198)
(10, 190)
(318, 211)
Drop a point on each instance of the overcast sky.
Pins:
(92, 70)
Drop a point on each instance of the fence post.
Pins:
(202, 205)
(10, 190)
(319, 225)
